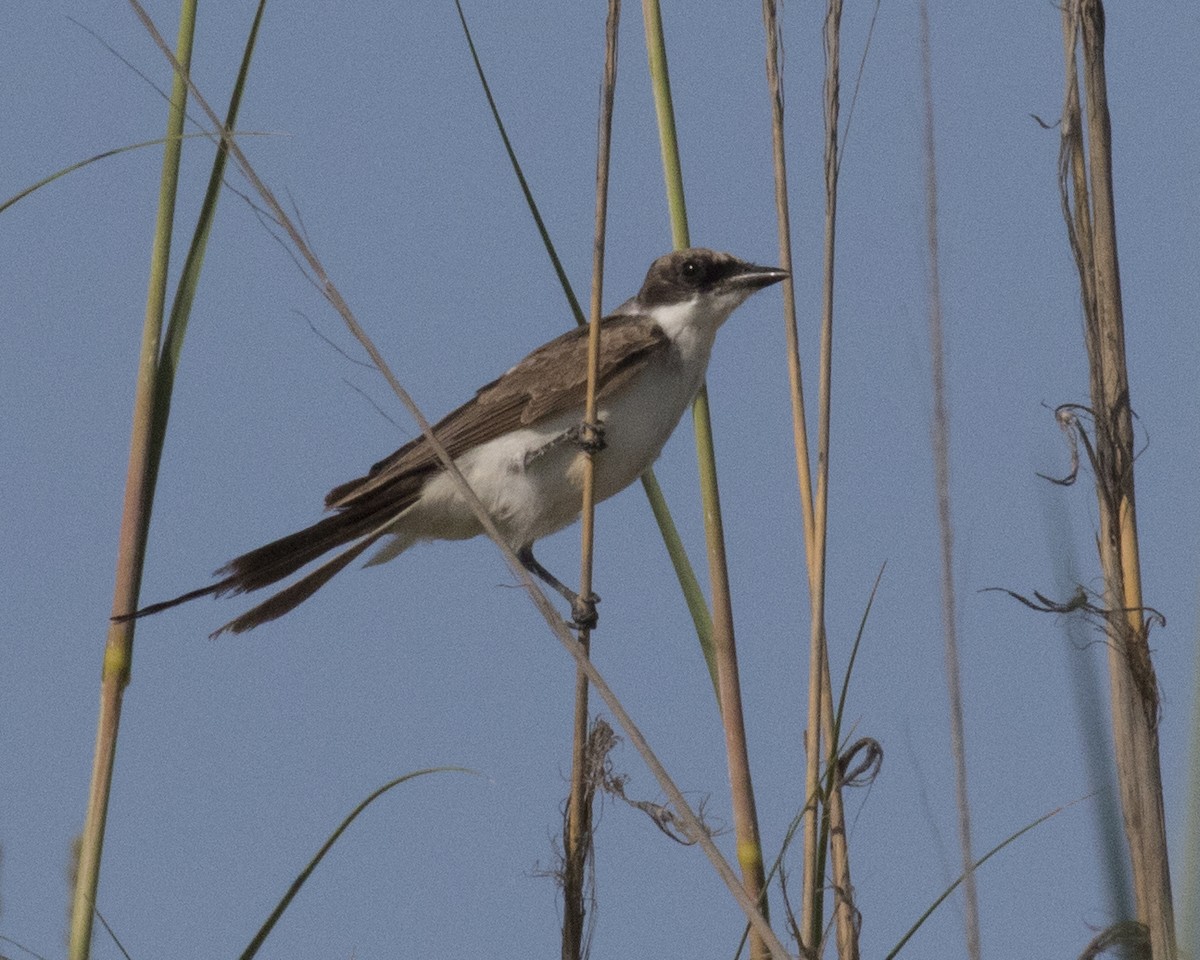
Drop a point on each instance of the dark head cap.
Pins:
(685, 274)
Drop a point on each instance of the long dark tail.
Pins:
(291, 597)
(280, 559)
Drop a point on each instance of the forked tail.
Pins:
(280, 559)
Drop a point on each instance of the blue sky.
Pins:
(239, 756)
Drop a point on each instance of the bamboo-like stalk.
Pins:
(821, 720)
(695, 828)
(135, 521)
(845, 912)
(577, 836)
(940, 437)
(1133, 685)
(578, 843)
(745, 816)
(810, 886)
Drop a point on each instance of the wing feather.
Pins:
(548, 382)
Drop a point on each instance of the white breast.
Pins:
(530, 497)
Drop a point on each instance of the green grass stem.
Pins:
(745, 814)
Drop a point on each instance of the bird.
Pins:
(520, 443)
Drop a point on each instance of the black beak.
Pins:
(753, 277)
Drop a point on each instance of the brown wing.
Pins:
(549, 381)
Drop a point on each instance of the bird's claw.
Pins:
(590, 437)
(583, 612)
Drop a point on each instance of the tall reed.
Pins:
(1086, 187)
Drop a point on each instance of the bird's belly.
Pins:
(531, 480)
(637, 422)
(634, 434)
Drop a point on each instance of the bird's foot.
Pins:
(590, 437)
(583, 612)
(583, 609)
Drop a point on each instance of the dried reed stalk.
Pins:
(1085, 177)
(578, 842)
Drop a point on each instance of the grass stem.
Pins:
(745, 815)
(135, 521)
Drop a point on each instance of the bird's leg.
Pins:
(583, 609)
(589, 437)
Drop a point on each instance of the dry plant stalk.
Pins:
(940, 437)
(821, 721)
(845, 912)
(578, 842)
(1085, 178)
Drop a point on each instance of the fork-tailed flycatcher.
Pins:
(518, 442)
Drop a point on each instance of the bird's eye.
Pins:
(692, 271)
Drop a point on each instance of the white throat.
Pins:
(693, 324)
